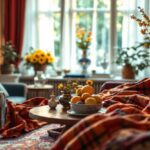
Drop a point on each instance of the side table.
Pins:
(44, 113)
(42, 91)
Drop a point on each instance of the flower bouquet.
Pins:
(39, 59)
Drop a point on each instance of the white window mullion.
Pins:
(92, 49)
(65, 39)
(74, 61)
(36, 26)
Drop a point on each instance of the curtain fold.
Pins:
(14, 16)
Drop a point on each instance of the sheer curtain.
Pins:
(130, 31)
(40, 29)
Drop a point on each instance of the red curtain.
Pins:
(14, 17)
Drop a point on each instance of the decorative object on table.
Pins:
(56, 132)
(104, 64)
(66, 71)
(39, 59)
(39, 79)
(66, 91)
(9, 58)
(136, 58)
(85, 108)
(83, 42)
(52, 101)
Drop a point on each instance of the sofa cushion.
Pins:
(3, 90)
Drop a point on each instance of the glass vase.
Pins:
(38, 67)
(39, 79)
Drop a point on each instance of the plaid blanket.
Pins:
(18, 120)
(125, 125)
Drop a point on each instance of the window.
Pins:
(52, 24)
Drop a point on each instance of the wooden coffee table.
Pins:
(44, 113)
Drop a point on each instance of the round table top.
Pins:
(44, 113)
(46, 86)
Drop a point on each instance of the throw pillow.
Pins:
(3, 90)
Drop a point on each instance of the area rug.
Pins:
(34, 140)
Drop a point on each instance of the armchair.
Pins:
(14, 92)
(17, 92)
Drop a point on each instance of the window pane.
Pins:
(126, 4)
(102, 37)
(84, 19)
(85, 3)
(127, 31)
(129, 4)
(57, 28)
(49, 5)
(103, 4)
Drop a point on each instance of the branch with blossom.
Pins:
(144, 23)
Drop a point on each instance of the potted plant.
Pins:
(134, 59)
(9, 58)
(83, 42)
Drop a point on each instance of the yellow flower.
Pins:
(27, 58)
(88, 39)
(50, 60)
(33, 59)
(60, 86)
(42, 61)
(49, 54)
(89, 82)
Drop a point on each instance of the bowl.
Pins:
(85, 108)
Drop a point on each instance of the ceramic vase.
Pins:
(84, 61)
(128, 72)
(64, 99)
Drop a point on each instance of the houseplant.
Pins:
(39, 59)
(9, 58)
(83, 42)
(136, 58)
